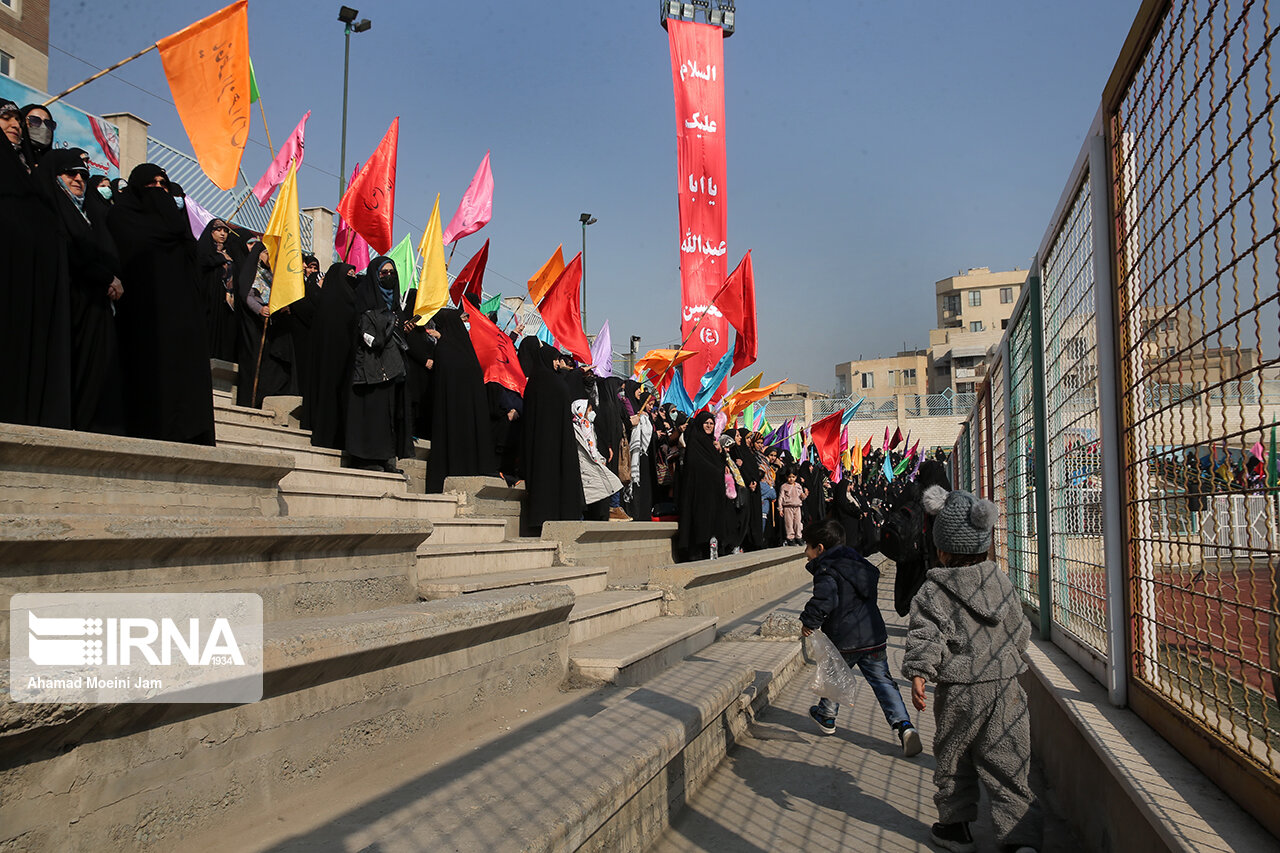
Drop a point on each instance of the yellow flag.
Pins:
(282, 238)
(433, 286)
(754, 382)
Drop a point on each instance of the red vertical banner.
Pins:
(697, 73)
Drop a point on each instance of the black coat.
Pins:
(333, 342)
(844, 600)
(377, 411)
(162, 319)
(550, 450)
(461, 435)
(218, 276)
(35, 312)
(700, 497)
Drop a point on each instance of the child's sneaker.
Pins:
(953, 836)
(827, 724)
(910, 738)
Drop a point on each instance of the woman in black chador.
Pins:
(271, 361)
(35, 314)
(218, 274)
(461, 435)
(377, 413)
(333, 346)
(97, 392)
(700, 492)
(162, 317)
(550, 449)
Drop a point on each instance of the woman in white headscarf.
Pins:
(598, 482)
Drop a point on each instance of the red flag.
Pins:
(369, 205)
(866, 449)
(471, 280)
(561, 314)
(496, 353)
(738, 305)
(897, 437)
(826, 438)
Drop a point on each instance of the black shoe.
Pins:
(911, 745)
(827, 724)
(953, 836)
(390, 467)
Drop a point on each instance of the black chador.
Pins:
(550, 450)
(218, 277)
(377, 412)
(162, 317)
(35, 314)
(461, 435)
(274, 365)
(700, 494)
(333, 344)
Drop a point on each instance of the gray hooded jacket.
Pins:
(966, 626)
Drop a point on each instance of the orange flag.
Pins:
(545, 277)
(747, 396)
(207, 66)
(369, 204)
(657, 362)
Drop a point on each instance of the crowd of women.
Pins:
(112, 311)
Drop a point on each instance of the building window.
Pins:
(975, 298)
(951, 303)
(907, 377)
(1006, 295)
(6, 62)
(8, 3)
(975, 326)
(1004, 324)
(868, 380)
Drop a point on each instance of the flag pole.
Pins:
(701, 317)
(261, 346)
(263, 112)
(62, 95)
(515, 313)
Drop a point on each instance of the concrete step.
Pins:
(599, 613)
(489, 497)
(731, 585)
(468, 531)
(333, 688)
(226, 411)
(344, 481)
(300, 566)
(60, 471)
(637, 653)
(630, 549)
(303, 501)
(449, 561)
(581, 580)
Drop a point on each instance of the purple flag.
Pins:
(197, 216)
(476, 208)
(602, 352)
(279, 168)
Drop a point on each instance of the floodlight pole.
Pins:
(346, 69)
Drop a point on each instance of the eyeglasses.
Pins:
(36, 121)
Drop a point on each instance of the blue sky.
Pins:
(873, 147)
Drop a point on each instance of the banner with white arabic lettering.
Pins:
(697, 72)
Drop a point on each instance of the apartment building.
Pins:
(24, 42)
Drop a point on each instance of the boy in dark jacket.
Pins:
(844, 607)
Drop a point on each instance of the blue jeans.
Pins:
(875, 669)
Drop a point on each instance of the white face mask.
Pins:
(591, 417)
(105, 192)
(466, 324)
(180, 202)
(42, 135)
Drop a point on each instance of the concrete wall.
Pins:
(631, 550)
(133, 140)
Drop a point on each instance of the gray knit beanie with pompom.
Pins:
(962, 521)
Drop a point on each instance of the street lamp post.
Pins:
(586, 219)
(347, 16)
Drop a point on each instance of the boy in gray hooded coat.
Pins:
(966, 634)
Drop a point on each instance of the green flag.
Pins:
(253, 85)
(901, 466)
(491, 305)
(406, 259)
(749, 416)
(797, 445)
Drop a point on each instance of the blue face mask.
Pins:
(180, 202)
(105, 192)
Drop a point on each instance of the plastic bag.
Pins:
(834, 678)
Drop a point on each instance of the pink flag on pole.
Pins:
(602, 352)
(197, 217)
(351, 247)
(279, 168)
(476, 208)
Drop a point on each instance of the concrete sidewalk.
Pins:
(791, 788)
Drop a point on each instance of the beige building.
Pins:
(905, 373)
(24, 42)
(973, 310)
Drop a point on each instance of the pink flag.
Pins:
(197, 217)
(351, 247)
(476, 208)
(279, 168)
(602, 352)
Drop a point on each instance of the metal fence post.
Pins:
(1041, 436)
(1107, 356)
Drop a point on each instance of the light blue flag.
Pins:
(676, 393)
(849, 413)
(712, 380)
(888, 470)
(544, 334)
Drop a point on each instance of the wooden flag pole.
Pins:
(701, 317)
(515, 315)
(261, 346)
(263, 112)
(104, 71)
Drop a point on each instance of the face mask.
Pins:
(180, 202)
(42, 135)
(105, 192)
(591, 417)
(466, 325)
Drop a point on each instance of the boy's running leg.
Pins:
(875, 669)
